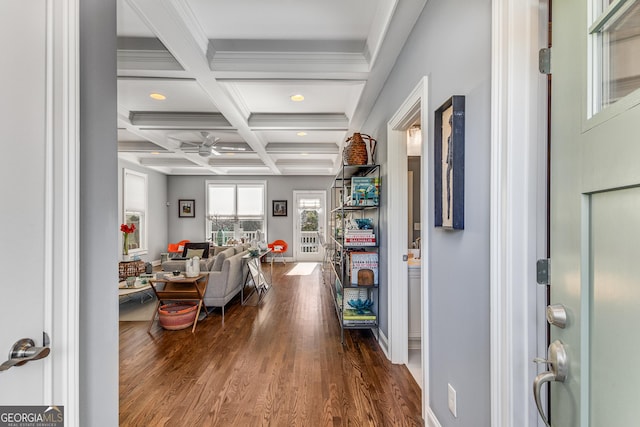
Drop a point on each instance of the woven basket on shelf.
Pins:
(359, 150)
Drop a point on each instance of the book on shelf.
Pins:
(365, 191)
(359, 241)
(359, 322)
(363, 268)
(352, 314)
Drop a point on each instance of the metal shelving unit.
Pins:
(347, 208)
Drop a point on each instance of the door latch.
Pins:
(558, 369)
(24, 351)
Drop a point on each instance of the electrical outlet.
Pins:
(453, 401)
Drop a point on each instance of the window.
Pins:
(237, 210)
(135, 209)
(616, 37)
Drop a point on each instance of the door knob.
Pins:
(24, 351)
(558, 369)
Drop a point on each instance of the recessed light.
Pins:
(155, 153)
(157, 96)
(297, 97)
(231, 154)
(304, 154)
(301, 134)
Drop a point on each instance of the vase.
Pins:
(219, 237)
(125, 244)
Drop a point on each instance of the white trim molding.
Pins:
(414, 107)
(62, 235)
(518, 171)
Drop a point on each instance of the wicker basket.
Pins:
(177, 316)
(130, 269)
(359, 150)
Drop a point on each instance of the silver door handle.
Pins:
(557, 361)
(24, 351)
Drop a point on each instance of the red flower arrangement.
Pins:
(126, 230)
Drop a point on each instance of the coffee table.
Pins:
(139, 288)
(168, 287)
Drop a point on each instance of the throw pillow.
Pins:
(194, 252)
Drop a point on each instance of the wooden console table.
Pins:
(180, 288)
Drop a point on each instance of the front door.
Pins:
(595, 210)
(308, 223)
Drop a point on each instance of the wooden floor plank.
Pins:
(279, 364)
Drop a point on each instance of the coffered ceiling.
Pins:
(227, 71)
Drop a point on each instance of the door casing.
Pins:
(396, 234)
(518, 208)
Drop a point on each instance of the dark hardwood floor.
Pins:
(279, 364)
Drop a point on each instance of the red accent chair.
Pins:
(278, 247)
(177, 247)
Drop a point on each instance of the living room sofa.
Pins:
(227, 272)
(226, 277)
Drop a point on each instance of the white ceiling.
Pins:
(228, 69)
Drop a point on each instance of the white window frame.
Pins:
(599, 17)
(235, 184)
(143, 229)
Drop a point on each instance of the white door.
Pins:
(308, 224)
(595, 211)
(24, 210)
(38, 192)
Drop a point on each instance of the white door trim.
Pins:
(296, 222)
(398, 244)
(62, 224)
(518, 204)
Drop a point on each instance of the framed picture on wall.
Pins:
(448, 160)
(186, 208)
(279, 207)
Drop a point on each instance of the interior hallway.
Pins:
(278, 364)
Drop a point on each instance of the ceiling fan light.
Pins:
(204, 150)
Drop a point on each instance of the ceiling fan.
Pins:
(205, 147)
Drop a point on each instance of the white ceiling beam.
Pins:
(140, 147)
(173, 23)
(294, 147)
(167, 162)
(269, 121)
(304, 163)
(178, 120)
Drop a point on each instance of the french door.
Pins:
(309, 225)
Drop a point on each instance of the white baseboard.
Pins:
(431, 420)
(383, 341)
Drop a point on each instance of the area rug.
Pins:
(137, 309)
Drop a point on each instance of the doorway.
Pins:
(411, 112)
(308, 224)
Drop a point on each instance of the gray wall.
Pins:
(98, 376)
(451, 43)
(278, 188)
(157, 214)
